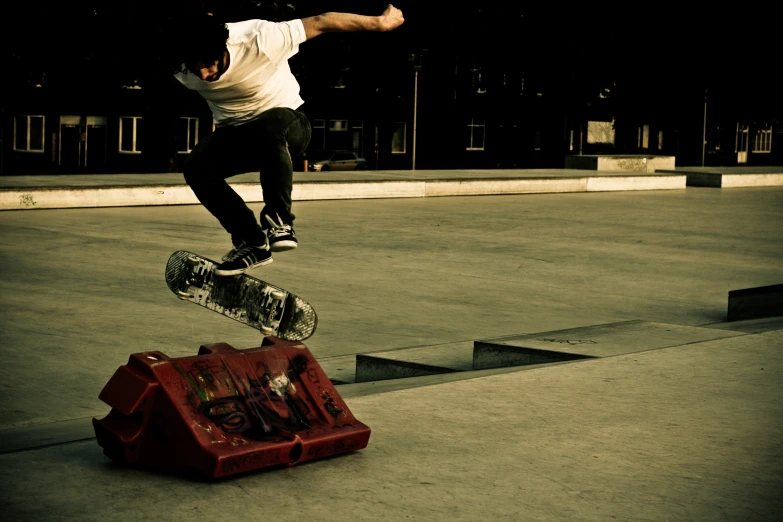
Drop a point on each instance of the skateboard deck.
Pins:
(256, 303)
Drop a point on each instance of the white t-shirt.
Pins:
(258, 77)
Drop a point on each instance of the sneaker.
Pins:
(243, 257)
(281, 235)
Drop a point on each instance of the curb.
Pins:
(30, 198)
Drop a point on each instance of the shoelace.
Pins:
(229, 254)
(278, 228)
(239, 251)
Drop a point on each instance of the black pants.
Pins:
(266, 145)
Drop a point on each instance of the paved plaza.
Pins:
(689, 429)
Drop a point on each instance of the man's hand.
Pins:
(391, 18)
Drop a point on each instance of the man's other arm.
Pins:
(391, 18)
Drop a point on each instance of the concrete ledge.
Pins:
(620, 183)
(755, 303)
(357, 190)
(751, 180)
(731, 177)
(40, 198)
(370, 368)
(504, 186)
(603, 340)
(648, 163)
(490, 355)
(750, 326)
(531, 349)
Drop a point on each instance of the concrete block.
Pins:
(730, 177)
(733, 180)
(358, 190)
(647, 163)
(647, 182)
(750, 326)
(85, 197)
(755, 303)
(752, 180)
(504, 186)
(490, 355)
(372, 368)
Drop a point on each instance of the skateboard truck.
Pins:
(196, 278)
(273, 312)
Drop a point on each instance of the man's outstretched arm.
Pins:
(391, 18)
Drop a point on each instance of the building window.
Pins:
(660, 140)
(600, 132)
(644, 137)
(475, 135)
(713, 139)
(188, 133)
(29, 133)
(741, 140)
(476, 80)
(399, 138)
(338, 125)
(357, 127)
(319, 134)
(130, 127)
(762, 140)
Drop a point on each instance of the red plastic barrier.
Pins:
(226, 411)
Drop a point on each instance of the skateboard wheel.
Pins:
(277, 294)
(266, 330)
(194, 261)
(184, 295)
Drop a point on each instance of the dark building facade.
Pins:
(484, 93)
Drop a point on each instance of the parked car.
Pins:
(339, 160)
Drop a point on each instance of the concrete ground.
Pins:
(689, 432)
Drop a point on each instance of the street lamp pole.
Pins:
(416, 59)
(704, 132)
(415, 109)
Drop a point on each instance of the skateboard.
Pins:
(256, 303)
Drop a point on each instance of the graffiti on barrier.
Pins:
(264, 405)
